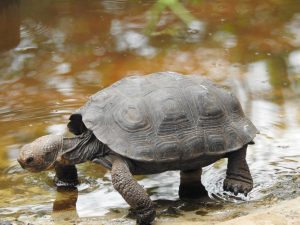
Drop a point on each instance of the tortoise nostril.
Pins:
(29, 160)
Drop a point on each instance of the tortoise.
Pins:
(151, 124)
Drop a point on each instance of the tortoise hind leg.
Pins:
(66, 176)
(238, 178)
(190, 184)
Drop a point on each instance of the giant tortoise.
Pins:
(151, 124)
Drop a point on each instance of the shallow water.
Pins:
(54, 54)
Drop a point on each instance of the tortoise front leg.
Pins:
(132, 192)
(66, 176)
(238, 177)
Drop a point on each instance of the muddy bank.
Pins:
(283, 213)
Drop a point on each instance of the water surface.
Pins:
(54, 54)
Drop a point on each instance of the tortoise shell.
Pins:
(165, 117)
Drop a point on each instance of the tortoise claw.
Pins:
(237, 186)
(144, 216)
(235, 190)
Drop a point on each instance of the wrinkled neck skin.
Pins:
(69, 143)
(79, 149)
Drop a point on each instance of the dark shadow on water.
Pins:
(176, 208)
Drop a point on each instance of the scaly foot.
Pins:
(237, 184)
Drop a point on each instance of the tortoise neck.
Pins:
(69, 143)
(81, 148)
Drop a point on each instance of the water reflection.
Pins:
(159, 24)
(114, 6)
(293, 27)
(9, 24)
(64, 206)
(127, 39)
(68, 50)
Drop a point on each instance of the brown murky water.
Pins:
(55, 53)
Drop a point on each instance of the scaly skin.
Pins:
(132, 192)
(238, 178)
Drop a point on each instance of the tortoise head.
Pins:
(41, 154)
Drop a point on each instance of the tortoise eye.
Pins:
(29, 160)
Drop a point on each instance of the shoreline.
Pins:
(282, 213)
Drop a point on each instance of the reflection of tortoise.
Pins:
(150, 124)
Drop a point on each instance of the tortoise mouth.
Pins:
(51, 166)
